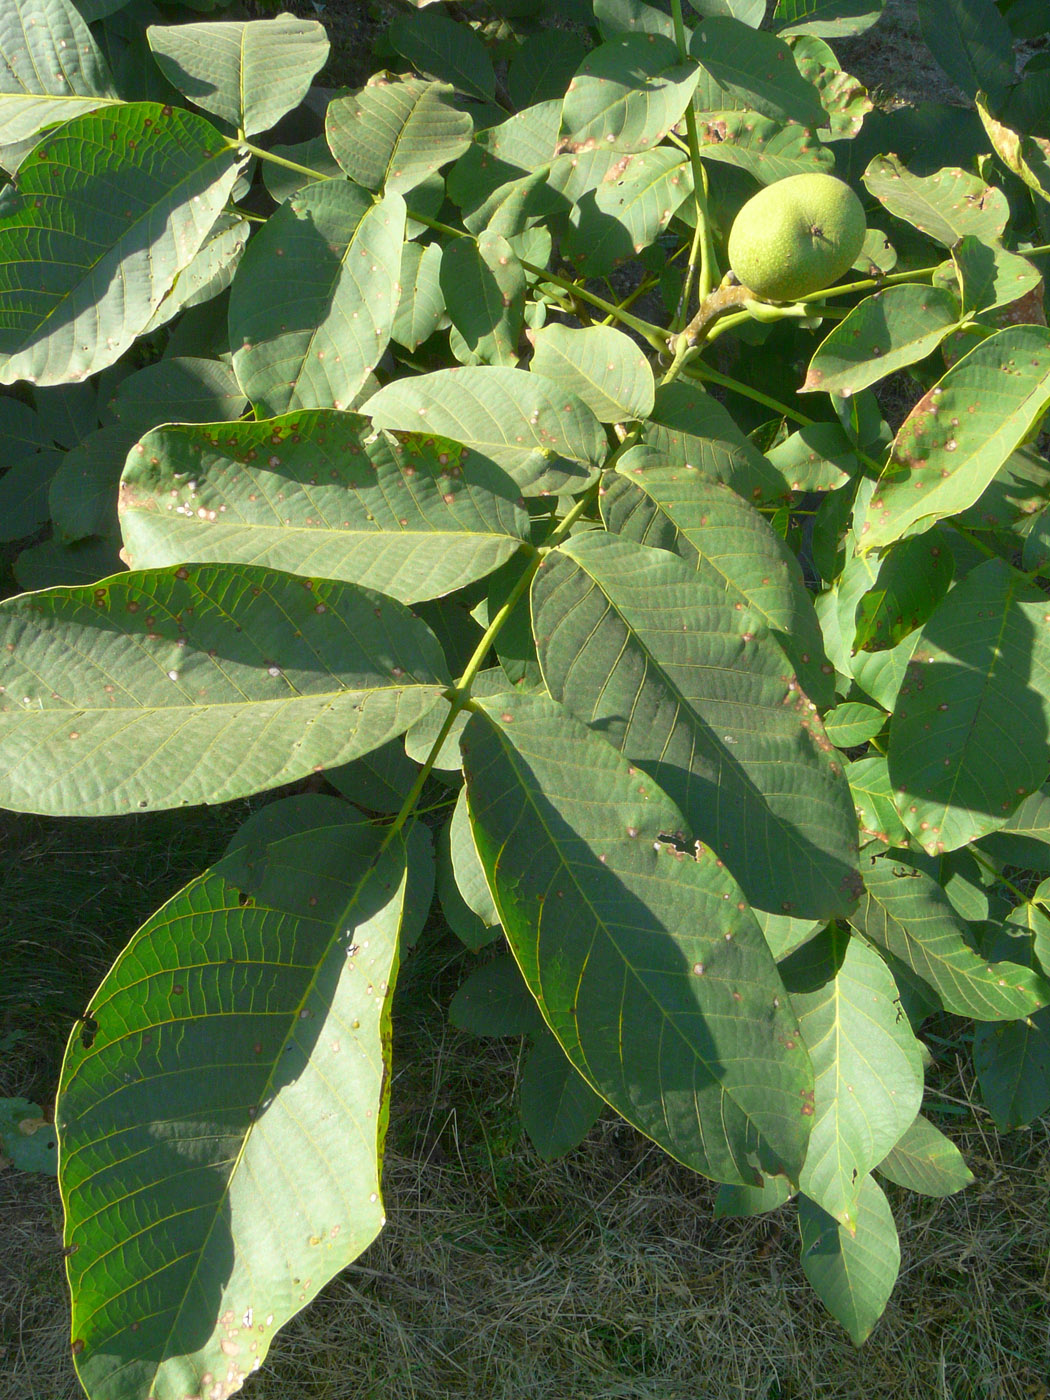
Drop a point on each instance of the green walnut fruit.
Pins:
(796, 236)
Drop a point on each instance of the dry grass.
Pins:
(603, 1276)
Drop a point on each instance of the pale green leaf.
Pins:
(391, 136)
(895, 327)
(945, 205)
(602, 366)
(906, 913)
(314, 298)
(693, 688)
(853, 1273)
(831, 18)
(926, 1161)
(545, 438)
(209, 273)
(762, 147)
(955, 439)
(466, 865)
(248, 73)
(990, 276)
(853, 723)
(244, 1027)
(51, 69)
(421, 308)
(868, 1077)
(319, 493)
(172, 687)
(869, 781)
(729, 545)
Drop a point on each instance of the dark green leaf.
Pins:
(627, 94)
(614, 222)
(646, 962)
(483, 286)
(558, 1106)
(968, 738)
(540, 71)
(972, 43)
(913, 577)
(92, 238)
(691, 429)
(446, 50)
(1024, 838)
(178, 390)
(24, 487)
(757, 68)
(378, 781)
(494, 1000)
(743, 1201)
(83, 490)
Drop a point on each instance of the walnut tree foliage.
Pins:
(417, 442)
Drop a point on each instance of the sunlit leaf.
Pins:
(92, 238)
(853, 1272)
(907, 914)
